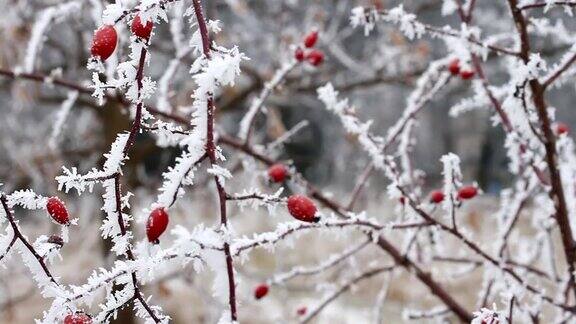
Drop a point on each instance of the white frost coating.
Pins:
(480, 99)
(449, 7)
(183, 173)
(372, 144)
(142, 313)
(110, 227)
(162, 103)
(112, 12)
(258, 102)
(220, 70)
(268, 239)
(452, 180)
(35, 268)
(564, 61)
(114, 161)
(286, 136)
(206, 243)
(486, 315)
(427, 86)
(152, 10)
(176, 28)
(407, 22)
(61, 116)
(467, 37)
(364, 17)
(220, 173)
(543, 27)
(5, 240)
(567, 5)
(167, 134)
(27, 199)
(330, 262)
(270, 202)
(126, 78)
(113, 302)
(40, 27)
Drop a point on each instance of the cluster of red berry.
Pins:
(437, 196)
(464, 193)
(313, 56)
(455, 69)
(105, 38)
(299, 206)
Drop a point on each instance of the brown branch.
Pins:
(559, 72)
(345, 287)
(129, 253)
(542, 5)
(116, 176)
(365, 83)
(211, 152)
(404, 261)
(557, 192)
(478, 250)
(23, 239)
(134, 11)
(48, 80)
(450, 33)
(10, 245)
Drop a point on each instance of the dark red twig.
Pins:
(211, 152)
(23, 239)
(557, 192)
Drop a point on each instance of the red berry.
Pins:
(562, 128)
(104, 42)
(301, 311)
(57, 211)
(156, 224)
(142, 31)
(454, 67)
(261, 291)
(437, 196)
(402, 200)
(311, 39)
(299, 54)
(315, 57)
(467, 192)
(277, 172)
(466, 74)
(302, 208)
(78, 318)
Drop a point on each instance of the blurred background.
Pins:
(376, 73)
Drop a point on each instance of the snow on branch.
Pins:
(41, 26)
(347, 113)
(71, 179)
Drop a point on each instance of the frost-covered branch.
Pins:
(343, 288)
